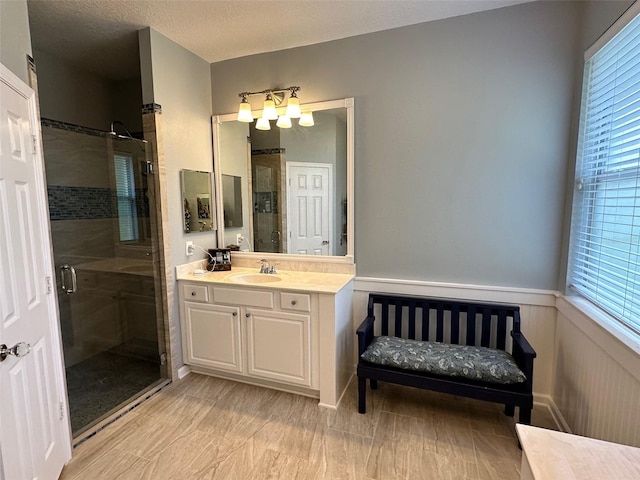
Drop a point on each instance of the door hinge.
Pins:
(61, 410)
(49, 284)
(163, 358)
(34, 141)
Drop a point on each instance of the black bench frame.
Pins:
(520, 395)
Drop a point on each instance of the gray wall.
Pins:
(180, 82)
(462, 139)
(15, 39)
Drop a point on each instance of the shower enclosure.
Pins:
(105, 243)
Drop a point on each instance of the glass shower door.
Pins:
(105, 250)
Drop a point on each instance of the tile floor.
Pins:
(204, 428)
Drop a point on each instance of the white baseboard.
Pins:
(183, 371)
(546, 401)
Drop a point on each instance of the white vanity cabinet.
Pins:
(256, 333)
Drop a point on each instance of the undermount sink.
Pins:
(255, 278)
(136, 268)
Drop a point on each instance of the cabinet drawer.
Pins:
(239, 296)
(300, 302)
(195, 293)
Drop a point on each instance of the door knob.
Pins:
(18, 350)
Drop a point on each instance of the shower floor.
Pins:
(103, 382)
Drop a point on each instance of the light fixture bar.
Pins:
(273, 98)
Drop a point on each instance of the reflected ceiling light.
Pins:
(284, 121)
(263, 124)
(306, 119)
(244, 112)
(273, 98)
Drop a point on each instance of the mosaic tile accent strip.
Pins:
(89, 203)
(268, 151)
(151, 108)
(31, 63)
(47, 122)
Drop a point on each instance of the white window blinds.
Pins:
(126, 198)
(605, 233)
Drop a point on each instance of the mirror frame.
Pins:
(348, 104)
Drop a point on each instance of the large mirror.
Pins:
(293, 187)
(197, 201)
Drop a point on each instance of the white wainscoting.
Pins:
(597, 379)
(537, 311)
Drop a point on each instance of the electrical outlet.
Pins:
(189, 249)
(238, 239)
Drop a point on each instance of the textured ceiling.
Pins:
(100, 35)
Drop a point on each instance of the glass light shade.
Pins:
(306, 119)
(284, 121)
(263, 124)
(293, 107)
(244, 112)
(269, 109)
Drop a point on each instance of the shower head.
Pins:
(128, 134)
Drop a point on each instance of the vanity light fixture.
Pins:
(244, 112)
(273, 98)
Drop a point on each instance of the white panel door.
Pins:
(309, 208)
(35, 441)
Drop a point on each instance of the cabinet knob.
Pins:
(193, 294)
(247, 315)
(235, 314)
(293, 302)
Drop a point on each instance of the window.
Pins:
(604, 264)
(126, 197)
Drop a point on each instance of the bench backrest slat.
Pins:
(412, 320)
(398, 325)
(471, 325)
(486, 327)
(455, 323)
(439, 322)
(484, 324)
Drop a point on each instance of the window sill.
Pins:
(618, 341)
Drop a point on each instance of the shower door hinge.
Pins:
(61, 410)
(163, 358)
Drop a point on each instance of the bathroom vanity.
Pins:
(290, 330)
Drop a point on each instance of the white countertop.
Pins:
(561, 456)
(288, 280)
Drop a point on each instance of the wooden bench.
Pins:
(450, 322)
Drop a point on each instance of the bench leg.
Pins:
(509, 410)
(362, 395)
(374, 384)
(524, 415)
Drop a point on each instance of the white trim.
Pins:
(183, 371)
(546, 401)
(485, 293)
(611, 32)
(603, 330)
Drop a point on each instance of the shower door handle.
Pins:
(74, 281)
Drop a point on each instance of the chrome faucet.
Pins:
(265, 267)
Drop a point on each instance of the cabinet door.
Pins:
(213, 336)
(278, 346)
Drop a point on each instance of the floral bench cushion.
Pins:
(475, 363)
